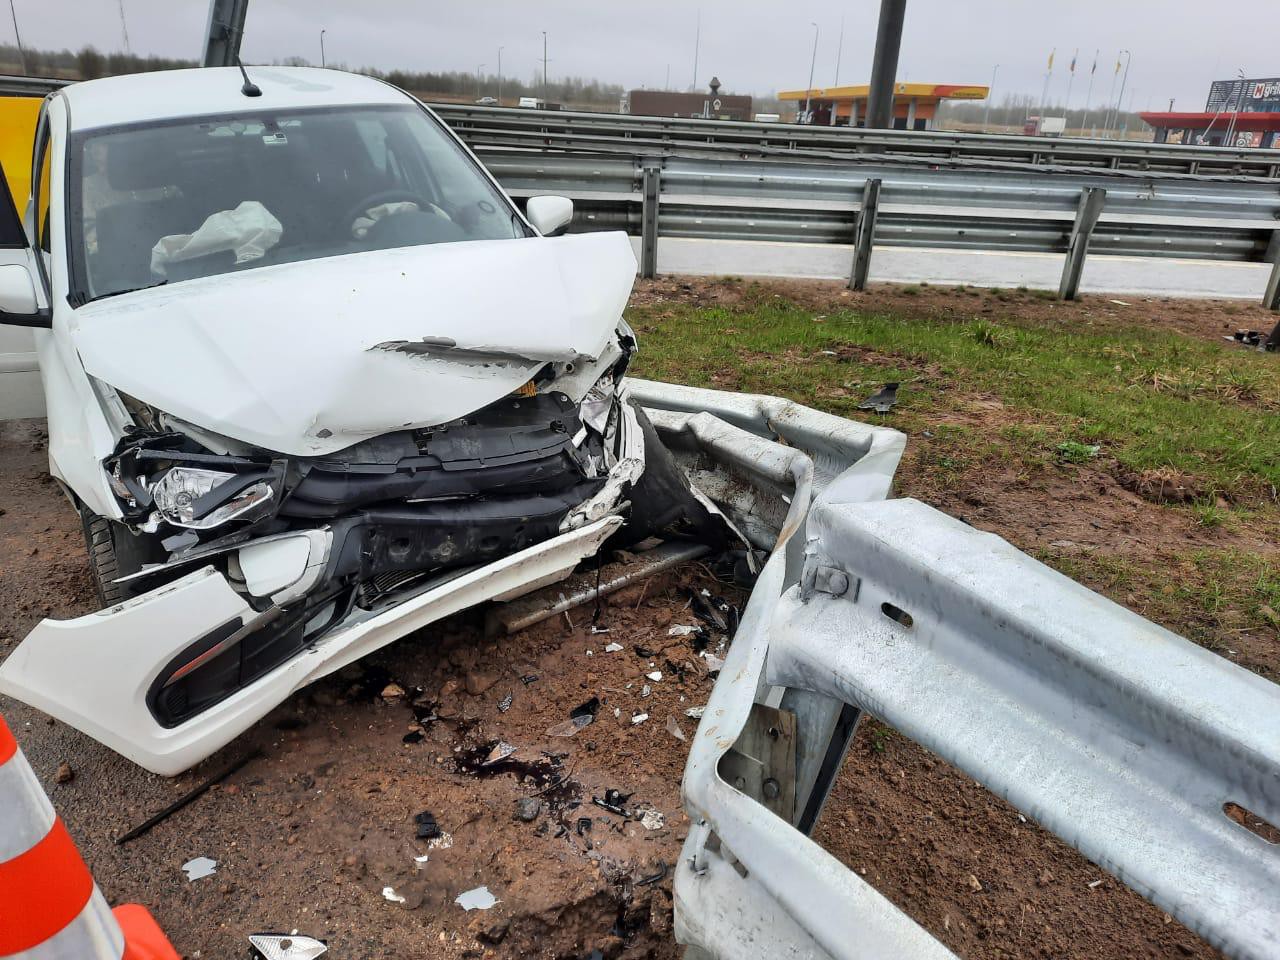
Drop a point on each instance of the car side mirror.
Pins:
(549, 215)
(18, 305)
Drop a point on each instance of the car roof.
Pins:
(209, 91)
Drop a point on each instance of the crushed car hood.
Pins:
(308, 358)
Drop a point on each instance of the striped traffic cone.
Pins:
(50, 907)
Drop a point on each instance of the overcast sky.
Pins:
(1178, 46)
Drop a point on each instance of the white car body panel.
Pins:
(353, 330)
(106, 695)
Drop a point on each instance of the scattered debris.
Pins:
(1119, 303)
(645, 691)
(652, 819)
(65, 774)
(187, 797)
(614, 801)
(714, 664)
(500, 751)
(392, 692)
(505, 703)
(583, 826)
(1093, 885)
(528, 809)
(1250, 338)
(413, 736)
(653, 878)
(673, 728)
(638, 719)
(478, 899)
(655, 676)
(883, 401)
(199, 868)
(580, 716)
(442, 842)
(428, 829)
(683, 630)
(975, 884)
(529, 678)
(389, 894)
(695, 712)
(286, 946)
(612, 647)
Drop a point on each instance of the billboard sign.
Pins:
(1246, 96)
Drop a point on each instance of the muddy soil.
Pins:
(320, 833)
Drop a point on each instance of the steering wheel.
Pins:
(385, 196)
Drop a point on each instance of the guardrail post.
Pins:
(1271, 299)
(864, 232)
(1090, 208)
(652, 183)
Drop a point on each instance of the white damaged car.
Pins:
(312, 381)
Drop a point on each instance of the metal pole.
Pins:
(651, 169)
(813, 62)
(839, 56)
(544, 69)
(884, 66)
(223, 32)
(500, 49)
(1092, 200)
(322, 63)
(1088, 97)
(697, 44)
(1128, 61)
(1235, 114)
(478, 69)
(22, 54)
(1106, 115)
(986, 114)
(864, 231)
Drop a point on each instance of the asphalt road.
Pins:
(1137, 275)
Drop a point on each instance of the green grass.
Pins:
(1150, 398)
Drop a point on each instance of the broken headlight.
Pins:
(189, 497)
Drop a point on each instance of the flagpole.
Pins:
(1071, 79)
(1111, 95)
(1044, 94)
(1088, 97)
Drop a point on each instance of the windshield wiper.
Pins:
(120, 293)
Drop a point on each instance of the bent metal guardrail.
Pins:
(1156, 759)
(894, 201)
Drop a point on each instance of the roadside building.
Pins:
(915, 105)
(712, 105)
(1240, 113)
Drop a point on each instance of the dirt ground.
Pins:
(319, 833)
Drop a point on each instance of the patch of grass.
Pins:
(1209, 512)
(1151, 399)
(910, 291)
(1072, 451)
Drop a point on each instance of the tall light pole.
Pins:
(813, 62)
(321, 48)
(839, 53)
(884, 65)
(697, 46)
(500, 49)
(478, 69)
(544, 69)
(22, 53)
(986, 114)
(1235, 115)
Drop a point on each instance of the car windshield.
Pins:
(170, 202)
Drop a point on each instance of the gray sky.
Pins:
(1178, 46)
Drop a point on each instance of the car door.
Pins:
(21, 394)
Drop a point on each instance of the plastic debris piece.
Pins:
(389, 893)
(645, 691)
(478, 899)
(442, 842)
(655, 676)
(652, 819)
(683, 630)
(413, 736)
(529, 678)
(286, 946)
(714, 664)
(639, 718)
(505, 703)
(612, 648)
(501, 750)
(695, 712)
(583, 826)
(673, 728)
(882, 401)
(199, 868)
(392, 692)
(428, 829)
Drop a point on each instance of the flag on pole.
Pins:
(1074, 56)
(1095, 64)
(1055, 50)
(1117, 63)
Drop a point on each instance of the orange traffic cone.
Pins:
(50, 907)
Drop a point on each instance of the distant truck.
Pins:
(1045, 126)
(768, 118)
(529, 103)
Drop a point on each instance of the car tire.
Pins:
(116, 551)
